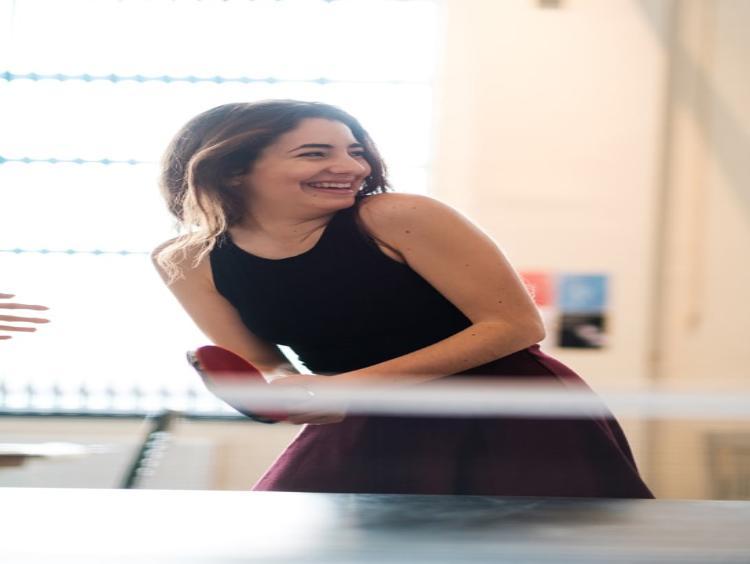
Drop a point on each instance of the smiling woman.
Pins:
(226, 155)
(343, 183)
(285, 245)
(338, 168)
(301, 181)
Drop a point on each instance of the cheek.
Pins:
(285, 177)
(300, 172)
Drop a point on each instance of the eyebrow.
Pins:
(325, 146)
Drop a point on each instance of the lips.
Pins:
(333, 188)
(331, 185)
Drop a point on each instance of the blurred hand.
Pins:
(307, 412)
(9, 323)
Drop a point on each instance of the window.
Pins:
(91, 91)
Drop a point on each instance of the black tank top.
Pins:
(340, 306)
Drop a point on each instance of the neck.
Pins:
(284, 228)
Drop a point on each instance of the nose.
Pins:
(347, 164)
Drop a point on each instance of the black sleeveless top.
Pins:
(340, 306)
(344, 305)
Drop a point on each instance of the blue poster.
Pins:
(582, 293)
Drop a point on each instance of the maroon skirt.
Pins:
(507, 456)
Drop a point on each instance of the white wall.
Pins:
(705, 308)
(704, 313)
(549, 135)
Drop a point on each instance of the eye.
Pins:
(312, 154)
(358, 154)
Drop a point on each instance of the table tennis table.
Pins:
(17, 454)
(106, 526)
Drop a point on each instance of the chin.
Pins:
(334, 203)
(338, 205)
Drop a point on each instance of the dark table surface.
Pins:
(85, 526)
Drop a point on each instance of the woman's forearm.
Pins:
(478, 344)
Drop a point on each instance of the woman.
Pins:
(292, 239)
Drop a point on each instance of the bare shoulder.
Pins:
(390, 217)
(157, 251)
(187, 262)
(390, 211)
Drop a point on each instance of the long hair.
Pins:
(222, 143)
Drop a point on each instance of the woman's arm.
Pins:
(219, 320)
(464, 265)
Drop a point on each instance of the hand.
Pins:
(8, 322)
(307, 412)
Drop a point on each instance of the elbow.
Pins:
(523, 333)
(534, 331)
(538, 332)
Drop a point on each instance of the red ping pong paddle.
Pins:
(218, 366)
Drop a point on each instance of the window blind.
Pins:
(91, 91)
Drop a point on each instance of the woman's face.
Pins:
(318, 166)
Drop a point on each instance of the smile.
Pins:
(335, 185)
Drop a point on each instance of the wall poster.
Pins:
(574, 307)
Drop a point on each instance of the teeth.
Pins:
(329, 185)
